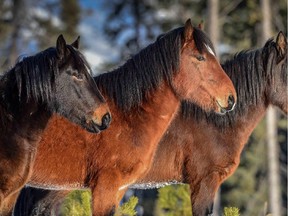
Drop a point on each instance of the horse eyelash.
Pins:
(200, 58)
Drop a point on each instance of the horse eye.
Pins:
(200, 58)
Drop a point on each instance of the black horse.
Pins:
(56, 80)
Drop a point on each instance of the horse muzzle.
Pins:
(96, 126)
(229, 105)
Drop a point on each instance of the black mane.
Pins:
(33, 76)
(130, 84)
(250, 71)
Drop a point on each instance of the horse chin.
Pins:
(223, 110)
(92, 127)
(220, 111)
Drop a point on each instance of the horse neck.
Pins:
(161, 104)
(250, 80)
(239, 133)
(37, 116)
(27, 119)
(148, 121)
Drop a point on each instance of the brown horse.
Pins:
(203, 149)
(55, 80)
(144, 95)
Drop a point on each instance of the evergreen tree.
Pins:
(232, 211)
(70, 15)
(63, 17)
(133, 24)
(46, 22)
(77, 203)
(173, 200)
(42, 22)
(129, 24)
(11, 23)
(128, 208)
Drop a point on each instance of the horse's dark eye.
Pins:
(200, 58)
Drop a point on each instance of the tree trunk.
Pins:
(271, 127)
(213, 32)
(18, 17)
(213, 22)
(273, 163)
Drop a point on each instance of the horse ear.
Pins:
(281, 44)
(201, 25)
(61, 46)
(188, 30)
(75, 44)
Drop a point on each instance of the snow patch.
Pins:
(152, 185)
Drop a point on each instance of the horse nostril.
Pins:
(106, 119)
(231, 102)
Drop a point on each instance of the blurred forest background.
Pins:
(113, 30)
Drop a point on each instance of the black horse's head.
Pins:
(275, 60)
(59, 80)
(76, 95)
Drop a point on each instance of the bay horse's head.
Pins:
(201, 79)
(84, 105)
(275, 63)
